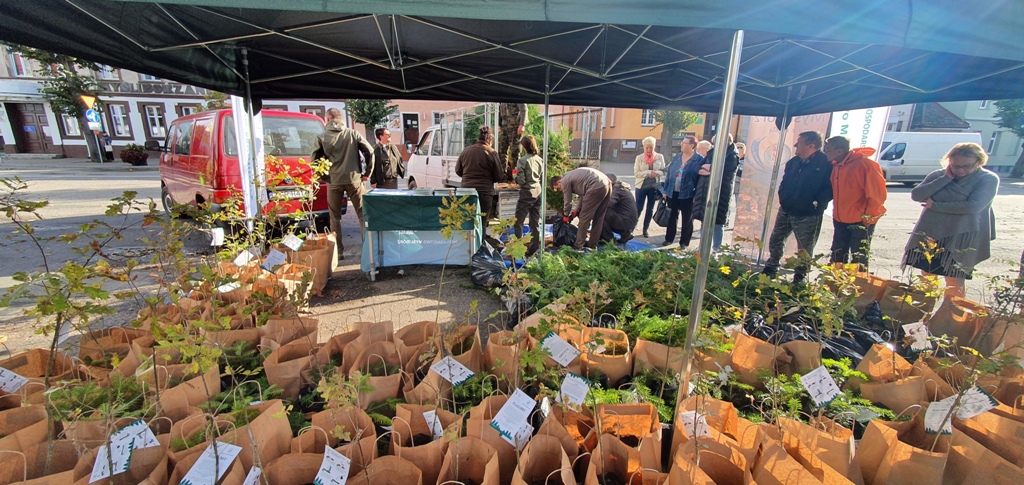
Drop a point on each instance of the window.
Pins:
(895, 152)
(120, 127)
(647, 118)
(436, 117)
(437, 146)
(317, 111)
(108, 73)
(70, 126)
(183, 138)
(275, 107)
(186, 109)
(154, 119)
(424, 147)
(18, 66)
(291, 137)
(993, 143)
(983, 105)
(148, 78)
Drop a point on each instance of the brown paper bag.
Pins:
(543, 460)
(806, 355)
(349, 431)
(501, 357)
(413, 440)
(1002, 435)
(420, 385)
(897, 395)
(157, 316)
(575, 366)
(265, 438)
(314, 256)
(389, 470)
(20, 441)
(176, 401)
(294, 469)
(32, 364)
(936, 389)
(411, 339)
(16, 419)
(958, 317)
(751, 356)
(607, 352)
(634, 422)
(286, 329)
(970, 462)
(658, 357)
(111, 341)
(577, 424)
(723, 462)
(894, 304)
(148, 466)
(479, 426)
(881, 364)
(470, 460)
(828, 456)
(613, 457)
(369, 332)
(465, 347)
(869, 289)
(776, 467)
(897, 453)
(330, 356)
(285, 365)
(553, 427)
(721, 417)
(62, 461)
(381, 362)
(234, 475)
(298, 281)
(683, 471)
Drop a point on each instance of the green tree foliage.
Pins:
(558, 161)
(214, 100)
(370, 112)
(1010, 115)
(673, 122)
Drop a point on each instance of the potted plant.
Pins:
(134, 154)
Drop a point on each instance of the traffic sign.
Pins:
(92, 116)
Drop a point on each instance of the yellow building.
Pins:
(615, 134)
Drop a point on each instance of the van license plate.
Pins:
(289, 194)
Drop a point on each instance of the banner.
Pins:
(251, 167)
(762, 139)
(864, 127)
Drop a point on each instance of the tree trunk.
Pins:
(369, 134)
(666, 145)
(91, 141)
(1018, 168)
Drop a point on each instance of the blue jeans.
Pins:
(716, 238)
(650, 196)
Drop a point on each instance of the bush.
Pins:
(134, 154)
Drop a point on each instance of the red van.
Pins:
(199, 161)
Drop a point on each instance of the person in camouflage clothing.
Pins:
(512, 121)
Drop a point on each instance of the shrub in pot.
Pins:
(134, 154)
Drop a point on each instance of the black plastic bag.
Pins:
(563, 233)
(488, 267)
(517, 304)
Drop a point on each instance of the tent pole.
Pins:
(769, 204)
(544, 179)
(711, 208)
(249, 139)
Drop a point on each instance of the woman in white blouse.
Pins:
(649, 169)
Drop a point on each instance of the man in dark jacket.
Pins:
(732, 161)
(803, 195)
(387, 162)
(622, 215)
(351, 160)
(480, 168)
(594, 191)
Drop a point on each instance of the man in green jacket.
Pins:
(351, 160)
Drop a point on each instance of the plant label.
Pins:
(974, 402)
(64, 333)
(522, 436)
(694, 424)
(253, 478)
(510, 418)
(574, 390)
(918, 334)
(116, 456)
(10, 381)
(434, 424)
(560, 350)
(452, 370)
(292, 242)
(139, 434)
(274, 259)
(820, 385)
(935, 416)
(217, 236)
(212, 464)
(334, 468)
(244, 257)
(229, 287)
(545, 407)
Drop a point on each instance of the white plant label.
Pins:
(560, 350)
(274, 259)
(64, 333)
(140, 435)
(918, 334)
(522, 436)
(820, 385)
(436, 429)
(694, 424)
(574, 390)
(452, 370)
(212, 464)
(217, 236)
(974, 402)
(334, 468)
(11, 381)
(935, 417)
(229, 287)
(120, 456)
(253, 478)
(292, 242)
(510, 418)
(243, 258)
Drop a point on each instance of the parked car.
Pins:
(432, 163)
(199, 161)
(909, 156)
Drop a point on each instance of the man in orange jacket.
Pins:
(858, 198)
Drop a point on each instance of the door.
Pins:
(435, 162)
(410, 127)
(893, 162)
(30, 127)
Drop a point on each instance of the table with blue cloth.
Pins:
(404, 227)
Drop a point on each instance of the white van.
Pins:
(432, 163)
(909, 156)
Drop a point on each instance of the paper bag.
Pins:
(898, 453)
(313, 256)
(775, 467)
(412, 437)
(543, 460)
(369, 332)
(501, 357)
(683, 471)
(553, 427)
(285, 365)
(894, 303)
(147, 466)
(15, 419)
(420, 385)
(286, 329)
(466, 348)
(881, 364)
(936, 389)
(970, 462)
(294, 469)
(958, 317)
(577, 424)
(607, 353)
(381, 362)
(1004, 436)
(660, 358)
(470, 460)
(721, 417)
(612, 457)
(479, 426)
(95, 345)
(63, 459)
(751, 356)
(896, 395)
(389, 470)
(349, 431)
(176, 401)
(634, 423)
(806, 355)
(828, 456)
(869, 289)
(234, 475)
(411, 339)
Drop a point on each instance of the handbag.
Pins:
(649, 183)
(661, 214)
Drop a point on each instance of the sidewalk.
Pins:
(76, 165)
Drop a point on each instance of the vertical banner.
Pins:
(762, 139)
(251, 166)
(864, 127)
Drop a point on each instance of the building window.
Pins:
(436, 117)
(983, 105)
(18, 65)
(70, 126)
(154, 118)
(148, 78)
(275, 107)
(120, 127)
(647, 118)
(108, 73)
(317, 111)
(186, 109)
(993, 143)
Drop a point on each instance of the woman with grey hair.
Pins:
(957, 225)
(703, 147)
(649, 169)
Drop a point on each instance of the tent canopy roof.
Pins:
(599, 52)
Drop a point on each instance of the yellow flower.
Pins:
(757, 290)
(738, 314)
(725, 270)
(736, 283)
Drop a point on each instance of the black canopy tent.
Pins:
(774, 57)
